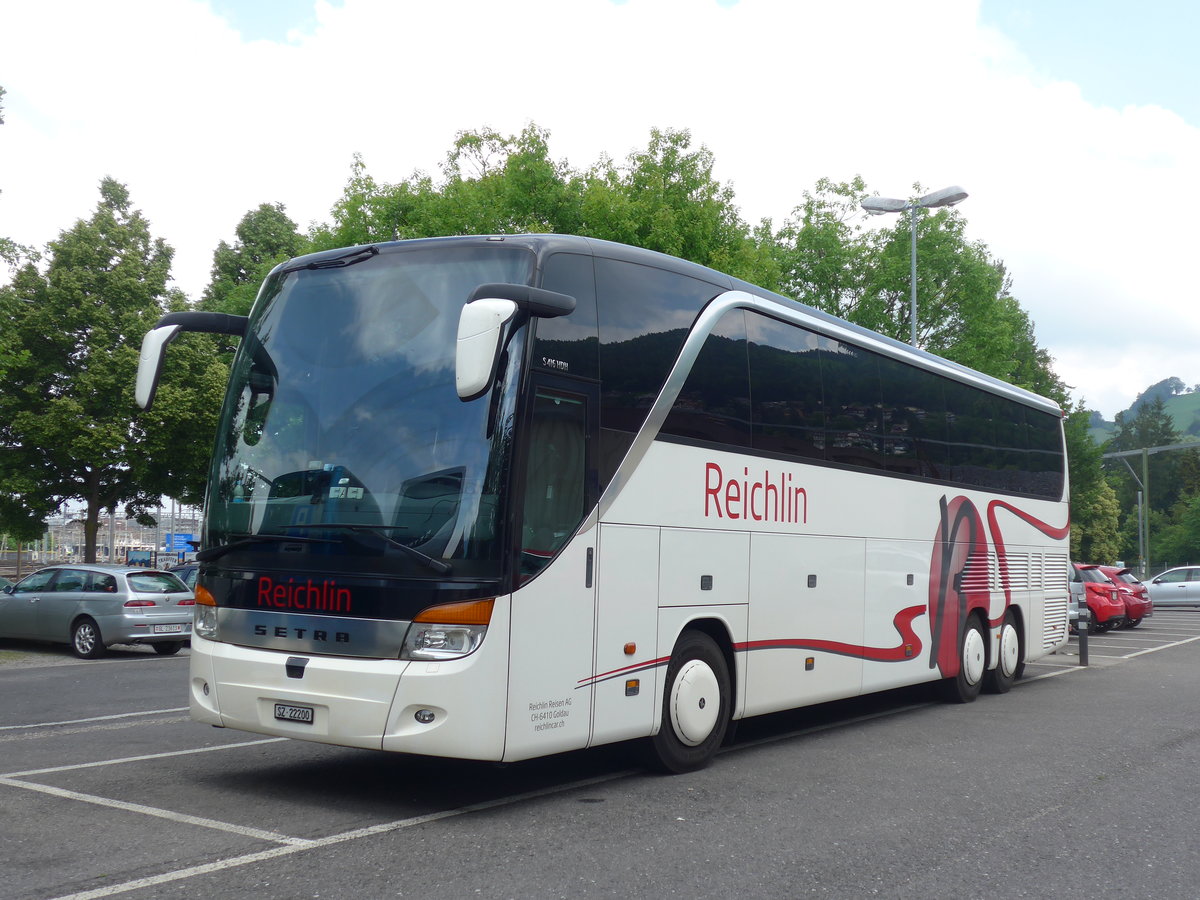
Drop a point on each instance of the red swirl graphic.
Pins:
(958, 582)
(909, 646)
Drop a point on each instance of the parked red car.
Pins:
(1105, 605)
(1136, 595)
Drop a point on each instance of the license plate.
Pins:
(288, 713)
(166, 629)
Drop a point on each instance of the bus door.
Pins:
(553, 606)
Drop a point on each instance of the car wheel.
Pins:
(972, 663)
(86, 641)
(695, 707)
(1009, 660)
(1133, 623)
(167, 648)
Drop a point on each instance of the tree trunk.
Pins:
(91, 525)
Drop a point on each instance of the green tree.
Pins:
(265, 237)
(1150, 426)
(1095, 519)
(828, 258)
(68, 430)
(491, 184)
(666, 198)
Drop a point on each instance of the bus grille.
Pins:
(1054, 627)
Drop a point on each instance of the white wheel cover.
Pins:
(974, 656)
(695, 702)
(1010, 650)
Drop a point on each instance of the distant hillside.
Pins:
(1184, 409)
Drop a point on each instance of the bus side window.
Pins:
(714, 403)
(785, 385)
(555, 477)
(645, 315)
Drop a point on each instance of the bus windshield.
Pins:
(342, 445)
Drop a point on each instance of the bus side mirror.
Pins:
(154, 348)
(477, 352)
(154, 344)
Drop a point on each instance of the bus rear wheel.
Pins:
(972, 663)
(696, 705)
(1009, 662)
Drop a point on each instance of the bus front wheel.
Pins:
(695, 707)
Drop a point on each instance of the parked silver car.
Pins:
(1176, 587)
(92, 607)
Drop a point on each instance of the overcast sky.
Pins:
(1073, 124)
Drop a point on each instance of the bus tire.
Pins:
(972, 663)
(695, 706)
(1009, 661)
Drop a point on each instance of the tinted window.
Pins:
(714, 404)
(555, 477)
(100, 583)
(1045, 458)
(850, 377)
(971, 435)
(569, 343)
(785, 386)
(912, 420)
(644, 316)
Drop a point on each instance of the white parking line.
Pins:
(369, 831)
(128, 759)
(1166, 646)
(148, 712)
(183, 818)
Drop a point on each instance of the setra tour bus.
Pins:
(500, 497)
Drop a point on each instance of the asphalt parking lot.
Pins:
(108, 789)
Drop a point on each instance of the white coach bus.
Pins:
(500, 497)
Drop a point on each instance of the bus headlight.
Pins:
(204, 622)
(204, 617)
(448, 631)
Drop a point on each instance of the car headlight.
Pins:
(448, 631)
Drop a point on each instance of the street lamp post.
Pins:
(877, 206)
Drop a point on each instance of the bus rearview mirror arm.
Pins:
(481, 324)
(154, 345)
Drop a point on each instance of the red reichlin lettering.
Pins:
(765, 498)
(325, 596)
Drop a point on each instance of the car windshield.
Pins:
(156, 583)
(342, 412)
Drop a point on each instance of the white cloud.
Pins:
(1088, 206)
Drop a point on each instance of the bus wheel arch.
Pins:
(697, 702)
(1009, 655)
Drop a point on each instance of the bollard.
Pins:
(1081, 627)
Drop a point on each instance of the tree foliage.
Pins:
(69, 430)
(265, 237)
(1095, 519)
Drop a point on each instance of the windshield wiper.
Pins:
(245, 540)
(425, 559)
(357, 255)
